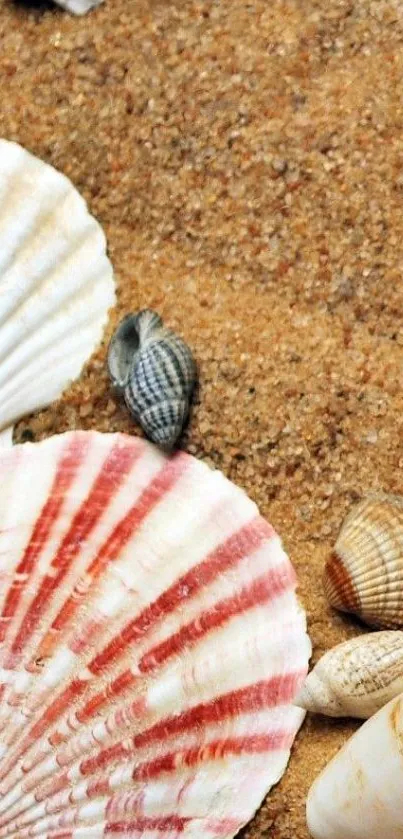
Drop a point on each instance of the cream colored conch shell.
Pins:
(56, 284)
(364, 575)
(78, 7)
(359, 793)
(356, 678)
(151, 644)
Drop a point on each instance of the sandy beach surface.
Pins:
(246, 162)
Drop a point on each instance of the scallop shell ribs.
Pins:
(151, 644)
(364, 575)
(56, 284)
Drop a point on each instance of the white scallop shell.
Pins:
(359, 794)
(356, 678)
(151, 644)
(56, 283)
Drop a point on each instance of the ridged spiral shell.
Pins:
(364, 574)
(155, 371)
(151, 644)
(356, 678)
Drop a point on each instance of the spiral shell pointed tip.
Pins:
(303, 699)
(166, 440)
(316, 697)
(163, 423)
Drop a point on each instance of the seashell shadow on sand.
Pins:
(39, 6)
(75, 7)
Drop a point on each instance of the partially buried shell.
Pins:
(356, 678)
(359, 794)
(78, 7)
(364, 575)
(155, 371)
(56, 284)
(151, 644)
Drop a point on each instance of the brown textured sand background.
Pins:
(245, 160)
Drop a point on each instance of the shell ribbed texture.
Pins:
(356, 678)
(156, 372)
(364, 575)
(56, 283)
(151, 644)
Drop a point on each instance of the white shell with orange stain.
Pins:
(151, 644)
(359, 794)
(364, 575)
(56, 284)
(356, 678)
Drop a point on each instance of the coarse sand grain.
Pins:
(246, 162)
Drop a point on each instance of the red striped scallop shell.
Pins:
(151, 644)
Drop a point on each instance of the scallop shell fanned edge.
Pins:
(364, 575)
(56, 283)
(151, 644)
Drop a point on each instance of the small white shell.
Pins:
(359, 794)
(56, 283)
(356, 678)
(364, 574)
(78, 7)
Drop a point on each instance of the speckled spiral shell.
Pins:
(155, 371)
(56, 284)
(356, 678)
(364, 574)
(151, 645)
